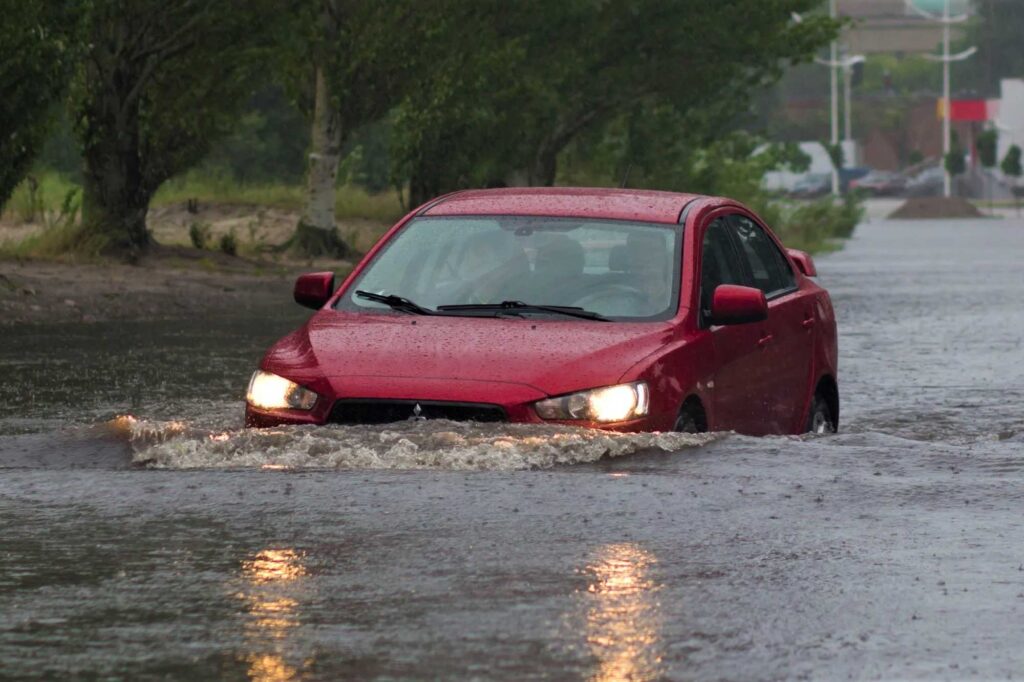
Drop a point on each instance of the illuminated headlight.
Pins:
(272, 392)
(608, 404)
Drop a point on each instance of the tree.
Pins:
(160, 82)
(686, 53)
(996, 30)
(347, 66)
(988, 143)
(954, 159)
(623, 56)
(465, 125)
(1012, 168)
(988, 153)
(37, 51)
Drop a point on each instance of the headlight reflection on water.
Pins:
(623, 616)
(272, 577)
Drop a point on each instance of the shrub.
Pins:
(815, 226)
(228, 243)
(199, 235)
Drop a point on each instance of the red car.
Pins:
(619, 309)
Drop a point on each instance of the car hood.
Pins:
(553, 356)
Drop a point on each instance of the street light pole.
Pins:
(946, 58)
(846, 64)
(834, 64)
(947, 128)
(848, 101)
(834, 70)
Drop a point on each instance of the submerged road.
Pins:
(893, 550)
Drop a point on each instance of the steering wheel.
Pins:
(614, 299)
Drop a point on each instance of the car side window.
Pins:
(720, 263)
(770, 269)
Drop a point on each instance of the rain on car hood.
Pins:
(551, 354)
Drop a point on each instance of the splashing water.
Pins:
(434, 444)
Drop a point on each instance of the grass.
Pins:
(33, 205)
(43, 203)
(351, 202)
(818, 226)
(38, 197)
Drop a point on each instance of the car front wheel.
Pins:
(820, 419)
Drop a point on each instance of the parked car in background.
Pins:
(811, 186)
(927, 183)
(879, 183)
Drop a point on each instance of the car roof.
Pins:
(565, 202)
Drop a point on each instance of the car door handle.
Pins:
(808, 323)
(764, 341)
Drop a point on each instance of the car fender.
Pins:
(674, 373)
(825, 355)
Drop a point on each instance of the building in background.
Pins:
(890, 27)
(896, 122)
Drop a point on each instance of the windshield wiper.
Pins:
(519, 306)
(396, 302)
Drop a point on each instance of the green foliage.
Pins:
(521, 92)
(37, 52)
(351, 202)
(996, 30)
(370, 52)
(814, 226)
(266, 143)
(199, 235)
(228, 243)
(161, 82)
(954, 162)
(906, 75)
(835, 154)
(988, 148)
(1011, 164)
(207, 99)
(43, 197)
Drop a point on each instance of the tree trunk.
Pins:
(545, 166)
(113, 219)
(545, 161)
(423, 185)
(316, 233)
(115, 195)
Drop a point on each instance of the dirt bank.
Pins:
(931, 208)
(34, 292)
(176, 280)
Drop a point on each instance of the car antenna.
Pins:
(625, 176)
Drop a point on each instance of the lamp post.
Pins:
(846, 64)
(946, 58)
(834, 63)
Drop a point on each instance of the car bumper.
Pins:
(504, 402)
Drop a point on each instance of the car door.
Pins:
(737, 382)
(786, 354)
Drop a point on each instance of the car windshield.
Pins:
(617, 269)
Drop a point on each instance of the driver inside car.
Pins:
(558, 272)
(492, 267)
(648, 264)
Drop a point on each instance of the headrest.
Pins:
(618, 258)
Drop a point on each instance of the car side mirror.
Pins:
(803, 261)
(314, 289)
(731, 304)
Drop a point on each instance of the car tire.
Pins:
(687, 422)
(820, 419)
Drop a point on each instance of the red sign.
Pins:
(966, 110)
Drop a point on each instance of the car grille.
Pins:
(385, 411)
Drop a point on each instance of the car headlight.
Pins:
(608, 404)
(272, 392)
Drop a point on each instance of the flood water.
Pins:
(144, 536)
